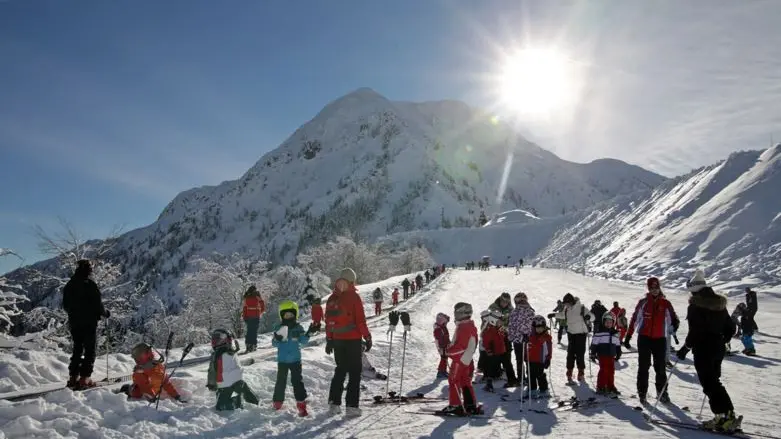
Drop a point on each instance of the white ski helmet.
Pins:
(539, 321)
(494, 318)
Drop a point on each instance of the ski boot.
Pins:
(570, 382)
(475, 410)
(85, 383)
(352, 412)
(489, 387)
(664, 398)
(334, 409)
(451, 410)
(668, 364)
(277, 405)
(643, 398)
(543, 394)
(512, 384)
(581, 375)
(614, 392)
(301, 406)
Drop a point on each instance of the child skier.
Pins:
(317, 314)
(747, 337)
(148, 375)
(442, 337)
(377, 296)
(540, 353)
(621, 321)
(739, 311)
(606, 346)
(225, 374)
(289, 335)
(482, 356)
(494, 346)
(460, 353)
(395, 296)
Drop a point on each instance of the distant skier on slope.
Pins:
(442, 339)
(579, 321)
(461, 352)
(378, 299)
(252, 309)
(419, 281)
(405, 288)
(752, 306)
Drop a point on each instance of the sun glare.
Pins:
(536, 81)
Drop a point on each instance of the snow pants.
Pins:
(459, 382)
(537, 377)
(295, 379)
(251, 338)
(442, 364)
(406, 293)
(576, 351)
(607, 373)
(377, 308)
(520, 359)
(492, 366)
(84, 335)
(347, 354)
(395, 300)
(507, 362)
(707, 363)
(226, 400)
(748, 341)
(648, 349)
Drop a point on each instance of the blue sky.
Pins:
(108, 109)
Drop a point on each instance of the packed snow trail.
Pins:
(753, 382)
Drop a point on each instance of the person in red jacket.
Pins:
(494, 348)
(540, 352)
(442, 337)
(317, 313)
(148, 376)
(652, 317)
(620, 319)
(253, 308)
(460, 352)
(345, 325)
(395, 296)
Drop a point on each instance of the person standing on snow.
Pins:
(752, 306)
(710, 328)
(503, 306)
(442, 338)
(405, 287)
(377, 297)
(83, 303)
(419, 281)
(561, 319)
(345, 325)
(621, 322)
(460, 353)
(652, 319)
(289, 336)
(519, 331)
(428, 276)
(598, 311)
(253, 309)
(395, 296)
(578, 326)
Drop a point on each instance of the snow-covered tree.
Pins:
(11, 295)
(288, 283)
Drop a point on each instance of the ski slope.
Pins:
(753, 382)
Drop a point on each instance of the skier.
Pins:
(442, 338)
(428, 276)
(598, 310)
(503, 306)
(289, 335)
(578, 326)
(561, 319)
(253, 309)
(395, 296)
(747, 328)
(540, 348)
(419, 281)
(148, 376)
(621, 322)
(460, 353)
(752, 306)
(520, 263)
(652, 317)
(377, 296)
(493, 344)
(739, 311)
(481, 354)
(413, 287)
(317, 314)
(225, 376)
(367, 370)
(606, 346)
(82, 301)
(710, 327)
(345, 325)
(309, 292)
(405, 288)
(519, 331)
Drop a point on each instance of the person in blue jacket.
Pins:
(289, 335)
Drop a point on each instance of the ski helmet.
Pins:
(608, 316)
(462, 311)
(520, 298)
(288, 305)
(442, 319)
(539, 321)
(494, 317)
(484, 314)
(142, 352)
(221, 337)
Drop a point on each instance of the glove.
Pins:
(329, 347)
(368, 342)
(393, 318)
(277, 337)
(211, 387)
(681, 354)
(627, 339)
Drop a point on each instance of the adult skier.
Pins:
(710, 328)
(345, 325)
(519, 331)
(752, 306)
(652, 319)
(252, 309)
(405, 287)
(503, 306)
(378, 299)
(83, 303)
(598, 311)
(428, 276)
(578, 326)
(419, 281)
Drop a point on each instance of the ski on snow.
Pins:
(698, 427)
(393, 398)
(438, 413)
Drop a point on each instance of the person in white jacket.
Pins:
(579, 321)
(225, 376)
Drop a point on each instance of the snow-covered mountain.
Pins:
(370, 166)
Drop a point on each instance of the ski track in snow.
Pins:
(753, 382)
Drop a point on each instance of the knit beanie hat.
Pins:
(697, 282)
(348, 274)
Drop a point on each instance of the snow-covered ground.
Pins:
(753, 382)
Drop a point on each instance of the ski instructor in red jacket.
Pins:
(345, 325)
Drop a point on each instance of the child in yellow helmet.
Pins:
(289, 335)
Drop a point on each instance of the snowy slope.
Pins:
(102, 414)
(725, 218)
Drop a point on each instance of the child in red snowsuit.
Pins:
(540, 353)
(317, 313)
(148, 375)
(494, 349)
(621, 321)
(442, 337)
(395, 296)
(606, 346)
(460, 352)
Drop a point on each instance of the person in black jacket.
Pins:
(710, 328)
(82, 302)
(752, 306)
(599, 310)
(405, 286)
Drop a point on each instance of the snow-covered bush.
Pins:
(11, 295)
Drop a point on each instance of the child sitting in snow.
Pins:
(148, 376)
(442, 338)
(289, 335)
(225, 374)
(606, 346)
(493, 342)
(540, 352)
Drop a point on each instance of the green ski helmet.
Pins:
(288, 305)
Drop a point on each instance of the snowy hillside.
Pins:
(725, 218)
(100, 413)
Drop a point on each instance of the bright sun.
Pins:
(536, 81)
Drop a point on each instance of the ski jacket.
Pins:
(505, 312)
(419, 279)
(598, 311)
(653, 317)
(148, 377)
(493, 341)
(462, 349)
(606, 343)
(540, 348)
(442, 337)
(344, 316)
(578, 318)
(253, 308)
(751, 303)
(746, 325)
(289, 349)
(710, 325)
(317, 313)
(520, 323)
(377, 296)
(224, 369)
(82, 301)
(405, 283)
(620, 315)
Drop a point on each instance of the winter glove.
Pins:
(627, 339)
(405, 320)
(393, 319)
(329, 347)
(368, 342)
(681, 354)
(277, 337)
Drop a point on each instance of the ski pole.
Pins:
(165, 366)
(168, 378)
(529, 374)
(702, 406)
(407, 326)
(106, 346)
(664, 389)
(393, 320)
